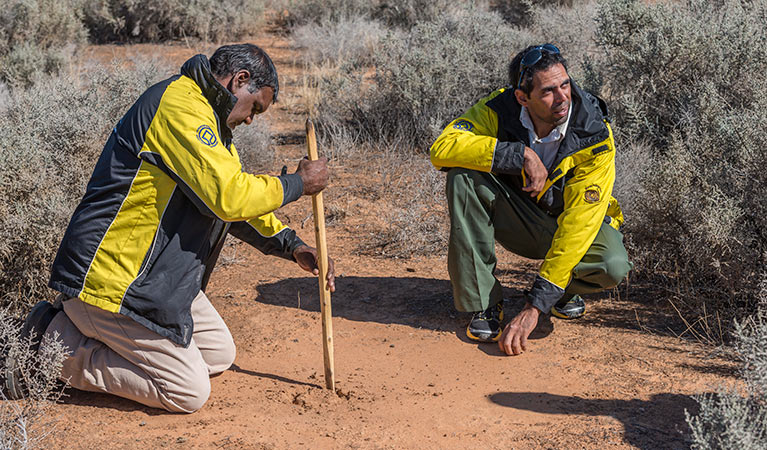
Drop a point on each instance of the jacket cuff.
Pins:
(508, 158)
(292, 187)
(293, 244)
(544, 294)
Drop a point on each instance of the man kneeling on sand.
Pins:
(135, 260)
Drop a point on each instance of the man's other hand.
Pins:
(514, 338)
(314, 174)
(535, 173)
(306, 257)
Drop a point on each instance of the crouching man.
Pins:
(136, 257)
(531, 166)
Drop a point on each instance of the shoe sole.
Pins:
(559, 315)
(475, 338)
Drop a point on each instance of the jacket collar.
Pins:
(221, 100)
(585, 128)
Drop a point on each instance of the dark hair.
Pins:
(547, 60)
(230, 59)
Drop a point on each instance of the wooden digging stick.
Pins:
(318, 209)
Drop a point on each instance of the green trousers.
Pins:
(483, 209)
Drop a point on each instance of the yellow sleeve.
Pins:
(586, 199)
(267, 225)
(269, 235)
(468, 141)
(184, 141)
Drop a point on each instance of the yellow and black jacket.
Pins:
(166, 190)
(578, 192)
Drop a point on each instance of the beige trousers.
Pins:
(114, 354)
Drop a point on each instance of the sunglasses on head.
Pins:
(532, 57)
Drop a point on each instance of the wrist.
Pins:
(302, 176)
(299, 248)
(531, 309)
(528, 153)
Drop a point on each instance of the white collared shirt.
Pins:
(547, 147)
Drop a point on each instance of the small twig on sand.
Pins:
(628, 285)
(306, 219)
(639, 323)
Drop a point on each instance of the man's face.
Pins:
(549, 102)
(248, 104)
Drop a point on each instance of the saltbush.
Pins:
(350, 41)
(52, 136)
(572, 29)
(688, 82)
(393, 13)
(152, 20)
(35, 36)
(27, 423)
(318, 12)
(423, 79)
(407, 13)
(254, 146)
(733, 419)
(522, 12)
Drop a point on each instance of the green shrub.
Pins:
(34, 36)
(689, 81)
(336, 55)
(152, 20)
(27, 423)
(572, 29)
(423, 79)
(522, 12)
(731, 419)
(659, 55)
(394, 13)
(53, 134)
(254, 145)
(350, 41)
(727, 421)
(301, 12)
(407, 13)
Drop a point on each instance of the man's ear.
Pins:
(241, 78)
(521, 97)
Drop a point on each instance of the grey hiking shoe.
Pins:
(485, 326)
(35, 325)
(569, 308)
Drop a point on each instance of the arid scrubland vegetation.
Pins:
(686, 83)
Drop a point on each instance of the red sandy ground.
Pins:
(406, 376)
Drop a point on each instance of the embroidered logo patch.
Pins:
(592, 194)
(464, 125)
(207, 136)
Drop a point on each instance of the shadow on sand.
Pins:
(650, 424)
(415, 302)
(411, 301)
(99, 400)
